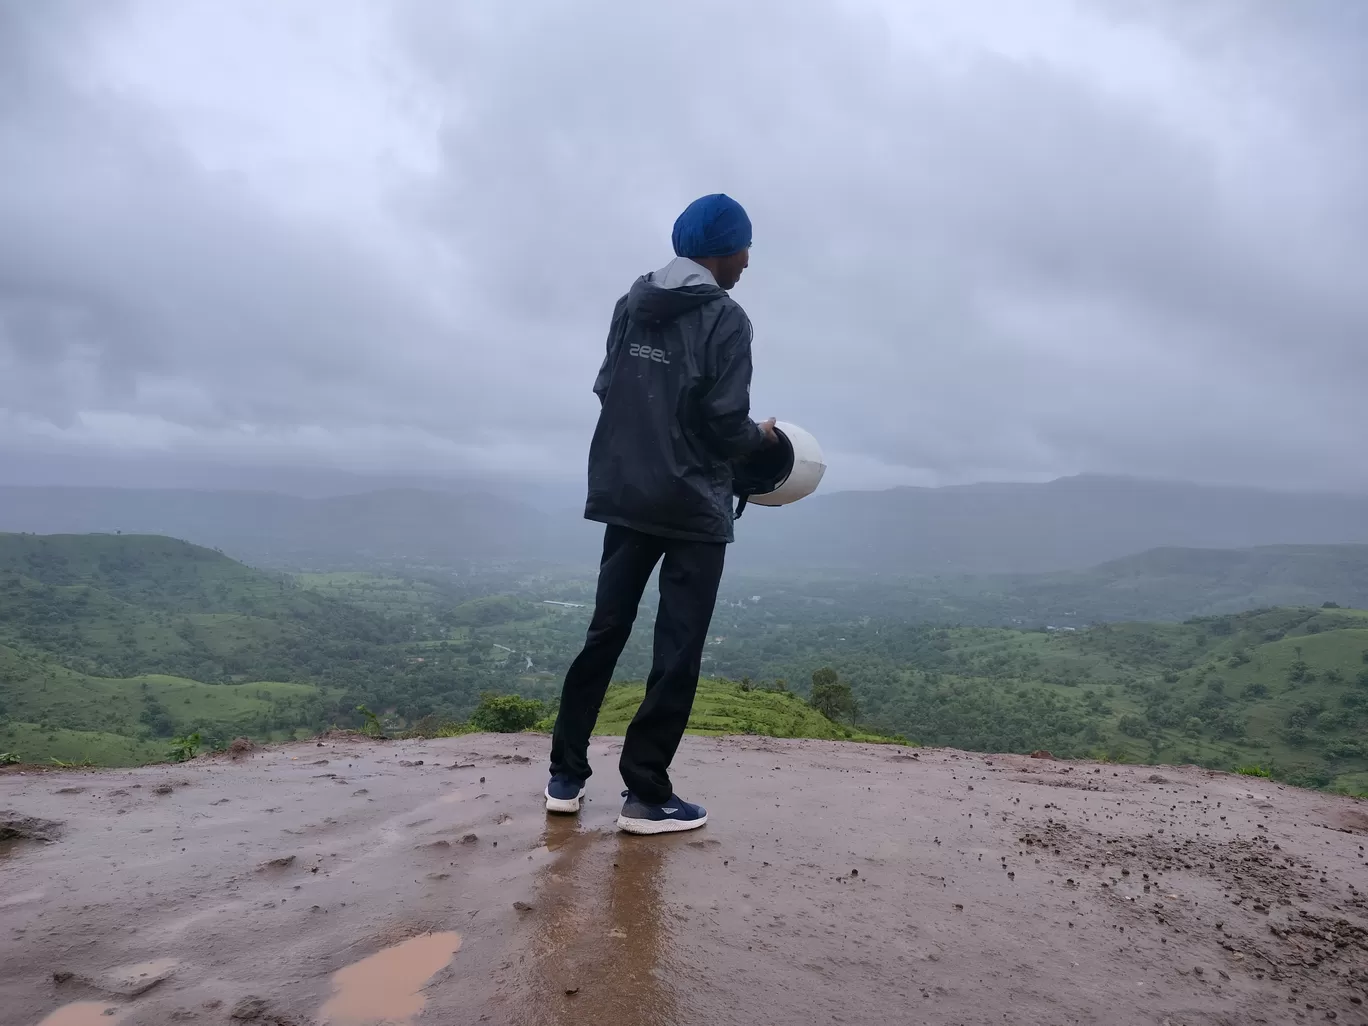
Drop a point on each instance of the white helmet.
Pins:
(779, 474)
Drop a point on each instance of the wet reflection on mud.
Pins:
(83, 1013)
(601, 943)
(387, 986)
(560, 831)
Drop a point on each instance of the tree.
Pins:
(832, 697)
(1132, 725)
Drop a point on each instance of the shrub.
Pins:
(506, 714)
(370, 723)
(1343, 750)
(1253, 771)
(183, 749)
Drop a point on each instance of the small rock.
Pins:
(469, 839)
(280, 863)
(162, 789)
(16, 827)
(132, 980)
(250, 1007)
(522, 906)
(571, 990)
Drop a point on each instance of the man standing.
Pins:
(674, 391)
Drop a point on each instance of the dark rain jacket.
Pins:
(675, 395)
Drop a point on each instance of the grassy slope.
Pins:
(722, 707)
(35, 744)
(117, 604)
(38, 691)
(1238, 667)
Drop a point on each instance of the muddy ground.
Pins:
(353, 882)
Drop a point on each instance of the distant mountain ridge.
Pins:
(1067, 524)
(271, 529)
(1174, 584)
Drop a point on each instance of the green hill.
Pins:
(1283, 690)
(122, 605)
(148, 638)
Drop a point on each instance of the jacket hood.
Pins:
(675, 289)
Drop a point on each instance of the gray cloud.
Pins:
(1093, 239)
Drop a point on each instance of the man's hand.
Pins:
(768, 428)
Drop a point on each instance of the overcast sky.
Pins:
(993, 240)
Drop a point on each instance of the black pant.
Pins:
(689, 577)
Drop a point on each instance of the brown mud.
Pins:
(353, 882)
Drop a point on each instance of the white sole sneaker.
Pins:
(659, 826)
(563, 804)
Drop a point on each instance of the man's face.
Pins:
(729, 268)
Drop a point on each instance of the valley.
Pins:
(114, 649)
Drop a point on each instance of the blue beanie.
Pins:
(713, 226)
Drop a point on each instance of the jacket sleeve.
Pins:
(726, 404)
(615, 332)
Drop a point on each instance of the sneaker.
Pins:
(563, 794)
(639, 817)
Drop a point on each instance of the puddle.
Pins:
(386, 987)
(559, 831)
(83, 1013)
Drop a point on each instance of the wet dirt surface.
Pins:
(355, 882)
